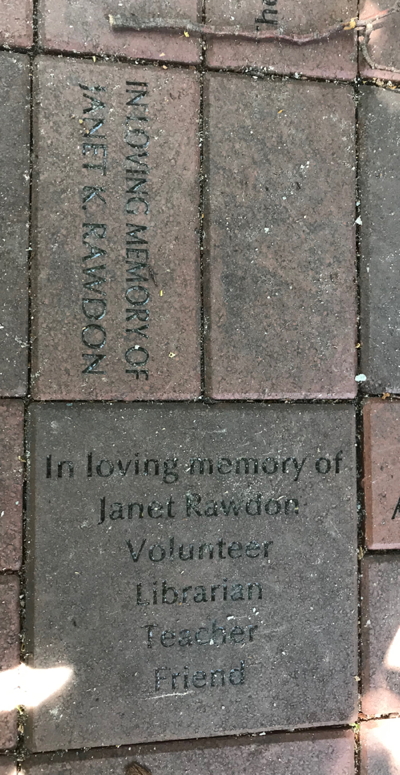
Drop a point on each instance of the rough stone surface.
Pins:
(379, 123)
(335, 58)
(379, 747)
(117, 270)
(11, 477)
(120, 537)
(280, 287)
(327, 753)
(381, 473)
(16, 24)
(83, 26)
(14, 223)
(380, 639)
(9, 650)
(384, 43)
(7, 766)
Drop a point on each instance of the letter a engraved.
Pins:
(397, 509)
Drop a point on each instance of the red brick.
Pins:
(382, 473)
(84, 27)
(336, 58)
(380, 635)
(16, 23)
(384, 47)
(14, 223)
(7, 766)
(9, 650)
(68, 337)
(380, 747)
(11, 479)
(280, 246)
(315, 753)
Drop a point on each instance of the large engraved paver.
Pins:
(334, 58)
(116, 275)
(14, 221)
(280, 287)
(318, 753)
(83, 25)
(194, 566)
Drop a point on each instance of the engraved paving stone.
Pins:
(14, 222)
(382, 473)
(281, 253)
(332, 58)
(116, 280)
(11, 479)
(16, 29)
(9, 653)
(318, 753)
(380, 634)
(379, 124)
(84, 27)
(194, 566)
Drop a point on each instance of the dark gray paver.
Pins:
(328, 753)
(14, 222)
(380, 635)
(379, 747)
(11, 479)
(280, 290)
(116, 278)
(379, 122)
(195, 566)
(335, 58)
(9, 651)
(16, 28)
(381, 473)
(84, 27)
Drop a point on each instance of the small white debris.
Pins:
(361, 378)
(358, 221)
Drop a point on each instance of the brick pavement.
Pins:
(175, 567)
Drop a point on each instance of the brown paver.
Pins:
(11, 477)
(380, 747)
(322, 753)
(383, 48)
(381, 473)
(7, 766)
(379, 179)
(9, 650)
(165, 583)
(14, 222)
(16, 24)
(116, 279)
(84, 27)
(380, 635)
(336, 58)
(280, 245)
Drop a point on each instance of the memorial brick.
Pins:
(318, 753)
(333, 58)
(280, 292)
(84, 27)
(14, 222)
(194, 566)
(380, 635)
(383, 46)
(116, 277)
(381, 473)
(11, 481)
(379, 125)
(379, 747)
(9, 651)
(16, 28)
